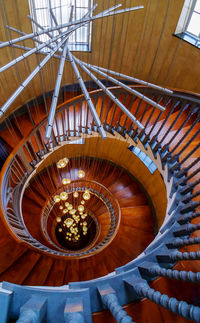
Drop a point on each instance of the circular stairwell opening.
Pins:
(76, 235)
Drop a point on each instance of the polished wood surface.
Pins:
(133, 204)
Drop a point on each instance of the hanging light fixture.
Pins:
(75, 194)
(81, 208)
(82, 202)
(72, 211)
(86, 196)
(60, 229)
(66, 181)
(56, 198)
(63, 196)
(68, 222)
(58, 219)
(81, 174)
(65, 211)
(60, 207)
(62, 162)
(70, 207)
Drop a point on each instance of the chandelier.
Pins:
(73, 222)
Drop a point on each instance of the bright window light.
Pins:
(48, 13)
(193, 25)
(188, 27)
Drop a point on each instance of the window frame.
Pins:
(183, 23)
(74, 46)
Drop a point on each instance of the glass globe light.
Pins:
(63, 196)
(60, 207)
(65, 211)
(58, 219)
(69, 222)
(81, 208)
(56, 198)
(86, 196)
(70, 207)
(84, 223)
(81, 174)
(72, 211)
(82, 202)
(60, 229)
(66, 181)
(75, 194)
(62, 162)
(66, 204)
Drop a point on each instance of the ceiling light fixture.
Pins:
(66, 181)
(62, 162)
(81, 174)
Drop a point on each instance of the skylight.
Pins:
(48, 13)
(188, 27)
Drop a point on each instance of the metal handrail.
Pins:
(23, 159)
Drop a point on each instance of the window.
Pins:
(144, 158)
(48, 13)
(188, 27)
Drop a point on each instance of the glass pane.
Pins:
(41, 4)
(66, 11)
(42, 17)
(82, 3)
(81, 34)
(80, 12)
(194, 25)
(197, 6)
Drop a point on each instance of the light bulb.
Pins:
(56, 198)
(81, 174)
(66, 181)
(63, 196)
(75, 194)
(86, 196)
(62, 162)
(58, 219)
(81, 208)
(72, 211)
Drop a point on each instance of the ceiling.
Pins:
(140, 44)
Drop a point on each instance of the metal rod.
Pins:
(30, 52)
(133, 79)
(109, 93)
(76, 22)
(55, 20)
(29, 78)
(56, 93)
(86, 94)
(29, 48)
(126, 87)
(23, 33)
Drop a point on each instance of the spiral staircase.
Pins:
(144, 263)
